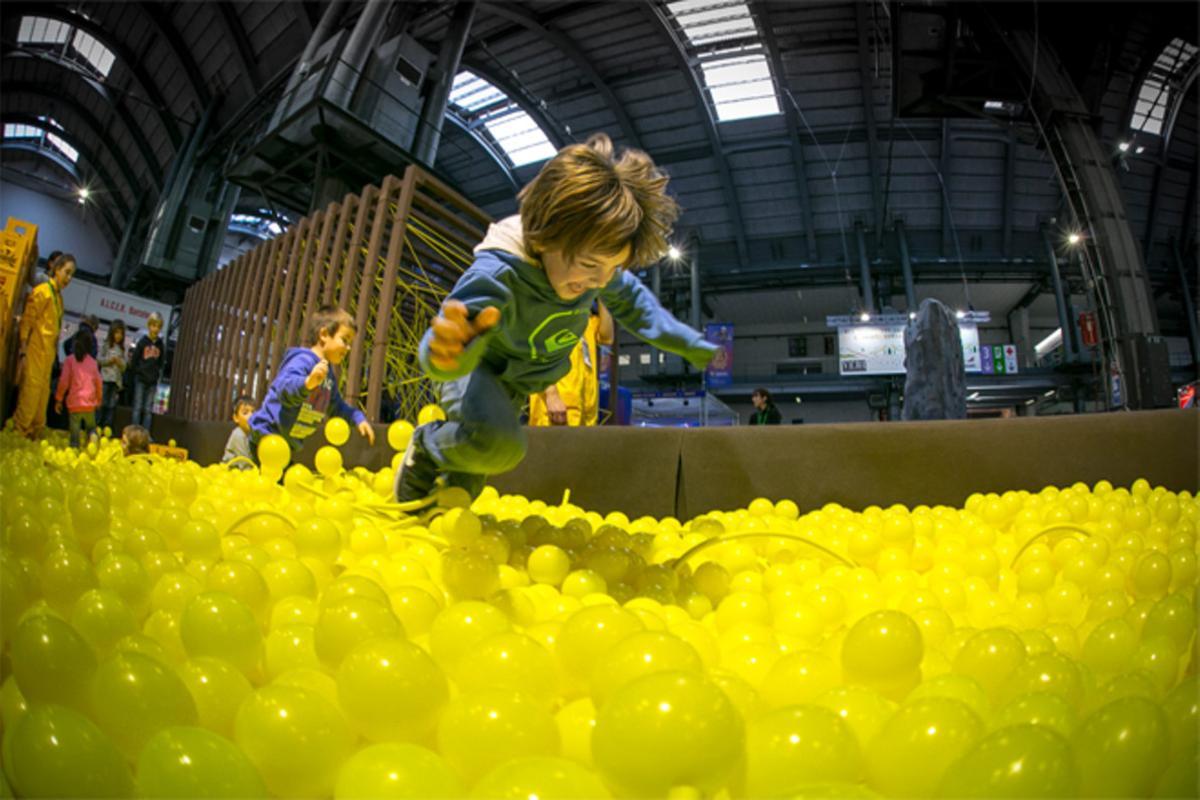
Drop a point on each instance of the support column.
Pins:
(429, 130)
(120, 269)
(352, 59)
(1189, 306)
(910, 292)
(694, 262)
(864, 270)
(1060, 301)
(1018, 328)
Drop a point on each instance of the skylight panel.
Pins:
(17, 130)
(96, 54)
(263, 227)
(521, 139)
(40, 30)
(1150, 110)
(61, 145)
(737, 75)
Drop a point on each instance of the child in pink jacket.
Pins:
(81, 384)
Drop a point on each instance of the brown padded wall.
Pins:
(932, 462)
(668, 471)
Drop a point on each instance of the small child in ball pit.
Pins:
(135, 440)
(510, 324)
(80, 386)
(238, 443)
(305, 392)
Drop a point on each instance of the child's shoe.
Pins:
(417, 477)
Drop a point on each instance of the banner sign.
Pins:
(879, 350)
(720, 370)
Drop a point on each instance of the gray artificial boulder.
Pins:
(936, 382)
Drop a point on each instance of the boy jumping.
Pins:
(509, 325)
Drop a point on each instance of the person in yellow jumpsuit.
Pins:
(38, 342)
(575, 399)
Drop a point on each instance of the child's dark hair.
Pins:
(242, 400)
(137, 439)
(763, 393)
(113, 327)
(52, 267)
(81, 345)
(328, 319)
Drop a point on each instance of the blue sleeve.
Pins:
(477, 289)
(289, 383)
(343, 409)
(639, 312)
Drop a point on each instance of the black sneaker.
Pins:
(418, 474)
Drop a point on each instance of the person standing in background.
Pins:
(146, 367)
(575, 399)
(113, 361)
(765, 411)
(37, 340)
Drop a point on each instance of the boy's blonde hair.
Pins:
(584, 200)
(328, 319)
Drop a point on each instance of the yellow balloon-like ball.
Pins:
(430, 413)
(328, 461)
(53, 751)
(548, 564)
(337, 431)
(398, 434)
(667, 730)
(274, 452)
(396, 770)
(194, 762)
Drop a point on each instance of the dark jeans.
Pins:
(108, 405)
(143, 399)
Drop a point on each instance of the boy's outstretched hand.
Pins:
(317, 376)
(365, 429)
(452, 332)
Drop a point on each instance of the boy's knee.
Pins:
(500, 448)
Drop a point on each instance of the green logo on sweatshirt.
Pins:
(544, 342)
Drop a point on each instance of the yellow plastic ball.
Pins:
(668, 730)
(218, 689)
(882, 648)
(349, 622)
(591, 632)
(55, 751)
(539, 777)
(391, 690)
(295, 737)
(217, 625)
(337, 431)
(134, 696)
(399, 433)
(1122, 748)
(640, 654)
(328, 461)
(864, 710)
(511, 660)
(396, 771)
(798, 745)
(52, 662)
(548, 564)
(185, 762)
(460, 628)
(913, 750)
(430, 413)
(1020, 761)
(481, 730)
(800, 677)
(274, 452)
(991, 657)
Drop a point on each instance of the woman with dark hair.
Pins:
(765, 412)
(37, 339)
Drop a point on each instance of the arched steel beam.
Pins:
(498, 159)
(118, 105)
(89, 120)
(518, 14)
(232, 24)
(161, 19)
(114, 230)
(654, 12)
(127, 57)
(82, 145)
